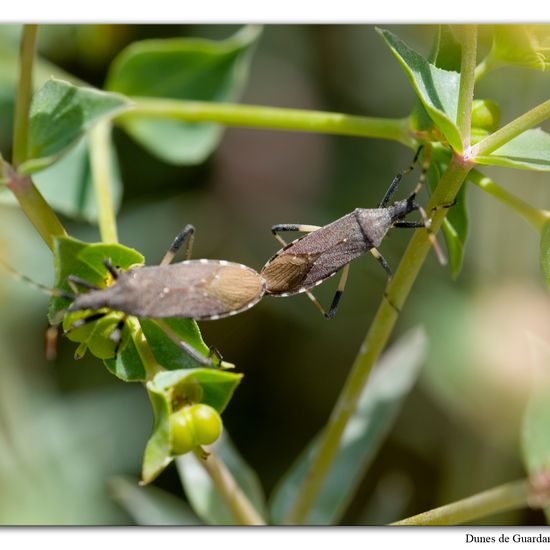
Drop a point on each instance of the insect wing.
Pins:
(195, 289)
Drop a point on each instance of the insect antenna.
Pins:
(58, 293)
(50, 337)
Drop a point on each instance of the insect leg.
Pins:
(339, 291)
(397, 180)
(443, 206)
(187, 234)
(116, 335)
(75, 282)
(86, 320)
(409, 225)
(190, 350)
(316, 303)
(292, 227)
(431, 236)
(330, 314)
(381, 260)
(216, 355)
(111, 268)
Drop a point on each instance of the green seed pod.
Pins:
(193, 426)
(207, 423)
(485, 115)
(181, 432)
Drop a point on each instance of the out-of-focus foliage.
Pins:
(523, 45)
(182, 68)
(56, 454)
(293, 361)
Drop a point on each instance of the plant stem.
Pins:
(101, 163)
(503, 498)
(242, 509)
(536, 217)
(31, 201)
(24, 94)
(486, 66)
(254, 116)
(236, 500)
(375, 341)
(467, 81)
(34, 206)
(513, 129)
(143, 349)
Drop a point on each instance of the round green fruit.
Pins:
(194, 425)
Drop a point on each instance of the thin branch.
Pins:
(513, 129)
(536, 217)
(102, 176)
(24, 94)
(467, 81)
(241, 508)
(34, 206)
(254, 116)
(510, 496)
(375, 341)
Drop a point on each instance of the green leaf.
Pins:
(436, 88)
(150, 505)
(523, 45)
(68, 188)
(217, 386)
(390, 382)
(74, 257)
(60, 114)
(528, 151)
(485, 115)
(455, 224)
(67, 185)
(158, 449)
(447, 52)
(181, 68)
(127, 365)
(168, 353)
(210, 386)
(201, 492)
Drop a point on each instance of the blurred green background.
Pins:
(66, 427)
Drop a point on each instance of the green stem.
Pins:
(510, 496)
(375, 341)
(31, 201)
(24, 94)
(242, 509)
(272, 118)
(143, 349)
(34, 206)
(513, 129)
(102, 176)
(467, 81)
(536, 217)
(486, 66)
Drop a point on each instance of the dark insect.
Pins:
(193, 289)
(309, 260)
